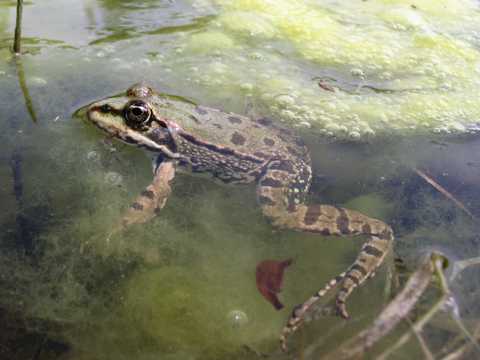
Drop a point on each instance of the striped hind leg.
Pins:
(362, 269)
(276, 194)
(298, 313)
(370, 257)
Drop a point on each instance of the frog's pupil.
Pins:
(137, 111)
(137, 114)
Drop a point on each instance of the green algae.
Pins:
(431, 74)
(184, 311)
(209, 41)
(372, 204)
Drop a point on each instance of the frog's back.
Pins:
(259, 138)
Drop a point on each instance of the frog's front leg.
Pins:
(153, 198)
(280, 193)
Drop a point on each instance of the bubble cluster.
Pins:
(400, 69)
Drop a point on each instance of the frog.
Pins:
(235, 149)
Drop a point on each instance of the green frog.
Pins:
(235, 149)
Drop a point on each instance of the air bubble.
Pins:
(246, 87)
(145, 62)
(113, 178)
(358, 73)
(35, 80)
(93, 156)
(237, 319)
(355, 135)
(287, 114)
(285, 100)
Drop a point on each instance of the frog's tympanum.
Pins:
(238, 150)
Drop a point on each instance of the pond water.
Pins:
(378, 89)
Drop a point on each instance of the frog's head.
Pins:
(134, 119)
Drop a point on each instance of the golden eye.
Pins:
(137, 114)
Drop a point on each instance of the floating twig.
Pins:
(18, 28)
(443, 191)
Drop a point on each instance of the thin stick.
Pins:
(418, 326)
(18, 28)
(443, 191)
(460, 352)
(426, 352)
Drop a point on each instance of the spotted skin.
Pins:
(280, 193)
(153, 198)
(237, 150)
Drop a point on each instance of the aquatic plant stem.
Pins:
(459, 266)
(396, 311)
(460, 352)
(23, 86)
(443, 191)
(418, 326)
(426, 351)
(18, 28)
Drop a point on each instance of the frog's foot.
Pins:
(298, 314)
(368, 260)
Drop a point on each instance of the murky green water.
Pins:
(377, 88)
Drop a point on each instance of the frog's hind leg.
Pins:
(280, 192)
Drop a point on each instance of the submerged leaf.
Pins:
(269, 276)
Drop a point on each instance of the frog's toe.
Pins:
(342, 309)
(294, 322)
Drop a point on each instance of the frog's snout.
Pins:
(92, 113)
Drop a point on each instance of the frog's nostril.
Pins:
(105, 108)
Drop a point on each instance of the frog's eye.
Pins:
(137, 113)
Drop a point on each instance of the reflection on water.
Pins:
(392, 76)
